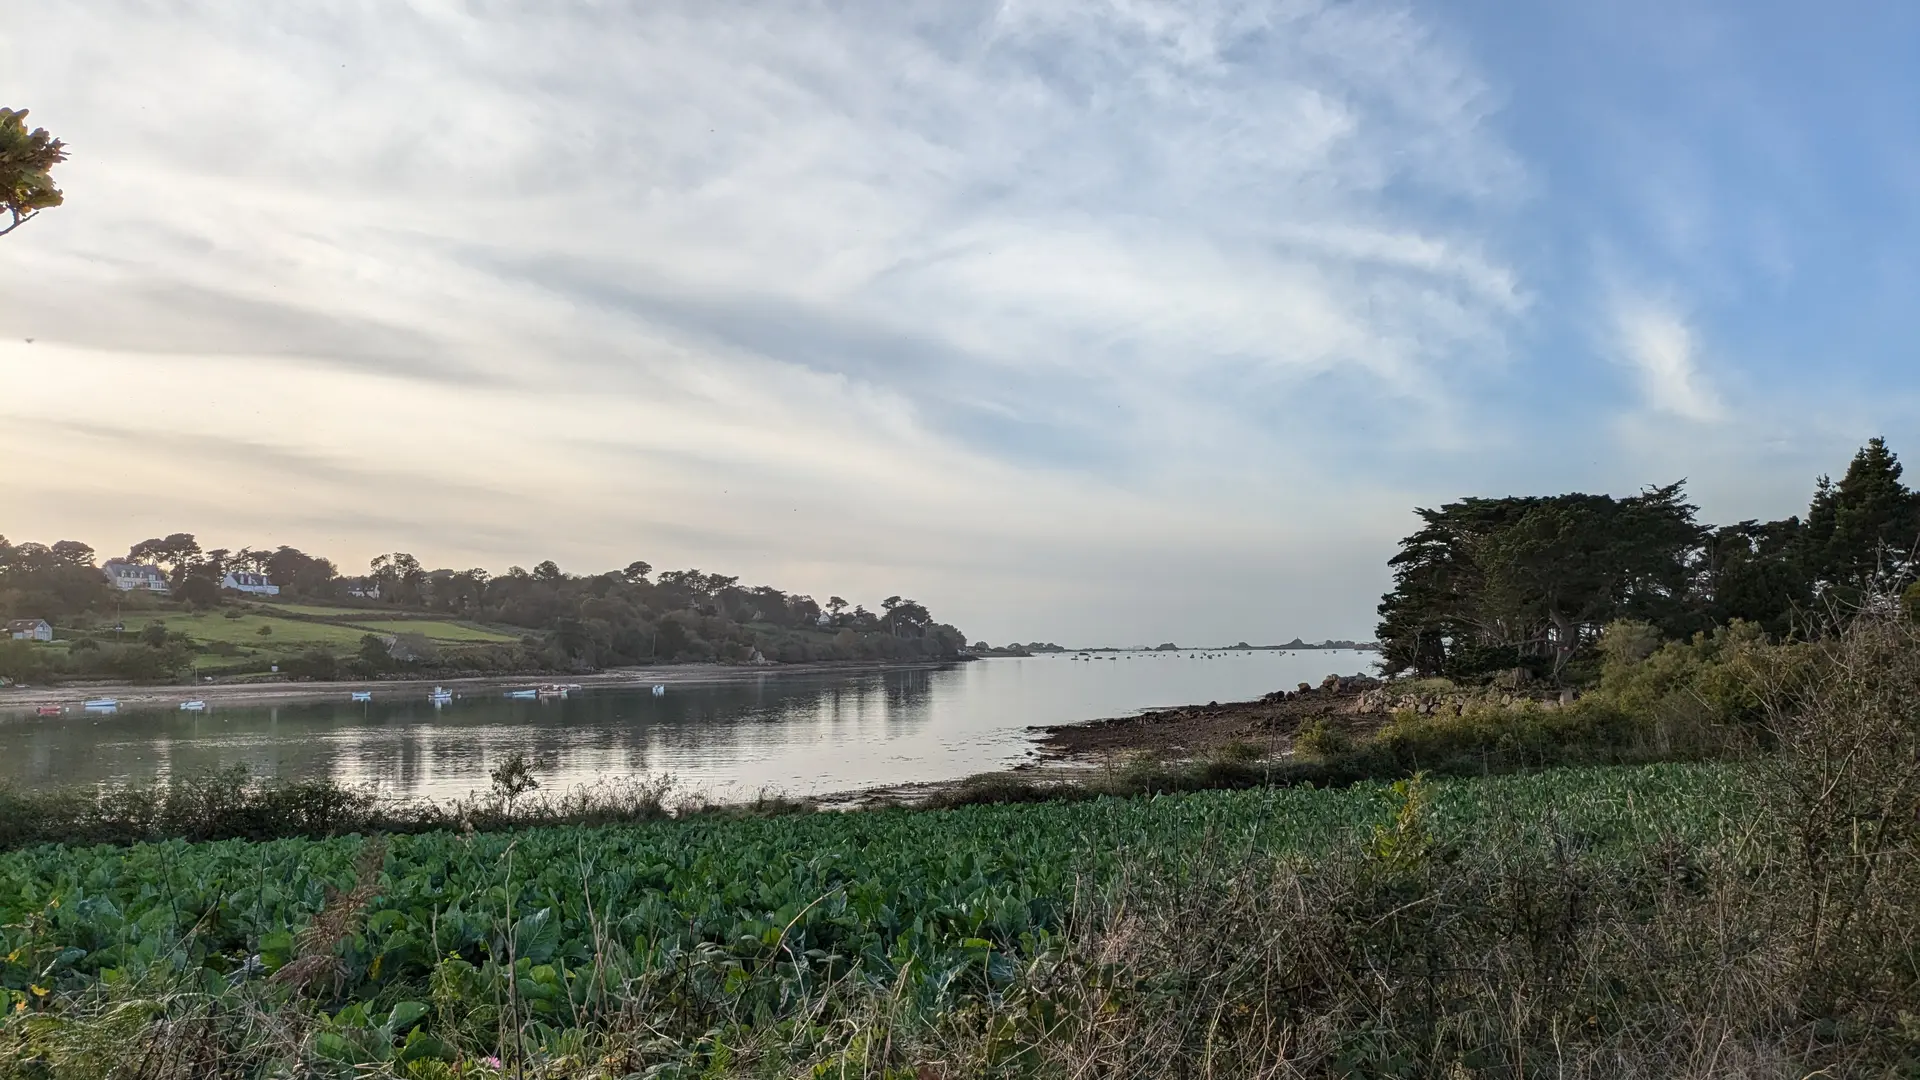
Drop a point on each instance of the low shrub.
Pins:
(1319, 740)
(24, 661)
(231, 804)
(316, 663)
(1239, 752)
(990, 788)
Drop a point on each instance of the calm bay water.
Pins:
(802, 734)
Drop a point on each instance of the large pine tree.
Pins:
(1861, 533)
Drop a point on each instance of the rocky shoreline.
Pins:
(1065, 753)
(1357, 704)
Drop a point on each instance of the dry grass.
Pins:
(316, 968)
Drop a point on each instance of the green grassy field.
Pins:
(244, 631)
(321, 611)
(284, 634)
(437, 630)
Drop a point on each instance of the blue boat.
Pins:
(658, 689)
(363, 695)
(101, 704)
(523, 695)
(440, 696)
(193, 706)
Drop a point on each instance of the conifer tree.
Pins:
(1861, 533)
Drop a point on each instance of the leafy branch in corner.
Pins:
(27, 158)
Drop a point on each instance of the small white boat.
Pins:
(193, 706)
(523, 695)
(362, 695)
(101, 704)
(658, 690)
(551, 690)
(440, 695)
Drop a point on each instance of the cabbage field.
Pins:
(925, 902)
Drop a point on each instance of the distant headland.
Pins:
(1035, 648)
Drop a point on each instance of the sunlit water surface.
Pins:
(802, 734)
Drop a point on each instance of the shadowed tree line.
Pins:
(1528, 583)
(632, 615)
(576, 621)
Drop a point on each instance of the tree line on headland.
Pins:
(576, 622)
(1528, 584)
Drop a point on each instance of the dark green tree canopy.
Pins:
(1861, 533)
(1754, 571)
(27, 158)
(1487, 584)
(179, 553)
(1523, 582)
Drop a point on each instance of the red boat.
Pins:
(49, 710)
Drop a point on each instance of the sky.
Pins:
(1096, 322)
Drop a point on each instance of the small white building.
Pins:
(132, 576)
(30, 630)
(246, 582)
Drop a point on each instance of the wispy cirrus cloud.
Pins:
(1657, 342)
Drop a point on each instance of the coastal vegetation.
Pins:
(402, 618)
(1749, 916)
(1699, 700)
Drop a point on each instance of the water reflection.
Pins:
(796, 733)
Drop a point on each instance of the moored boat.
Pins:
(523, 695)
(101, 704)
(362, 695)
(440, 696)
(193, 706)
(49, 710)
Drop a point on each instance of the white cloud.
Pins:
(1020, 277)
(1656, 340)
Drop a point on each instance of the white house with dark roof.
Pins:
(132, 576)
(246, 582)
(30, 630)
